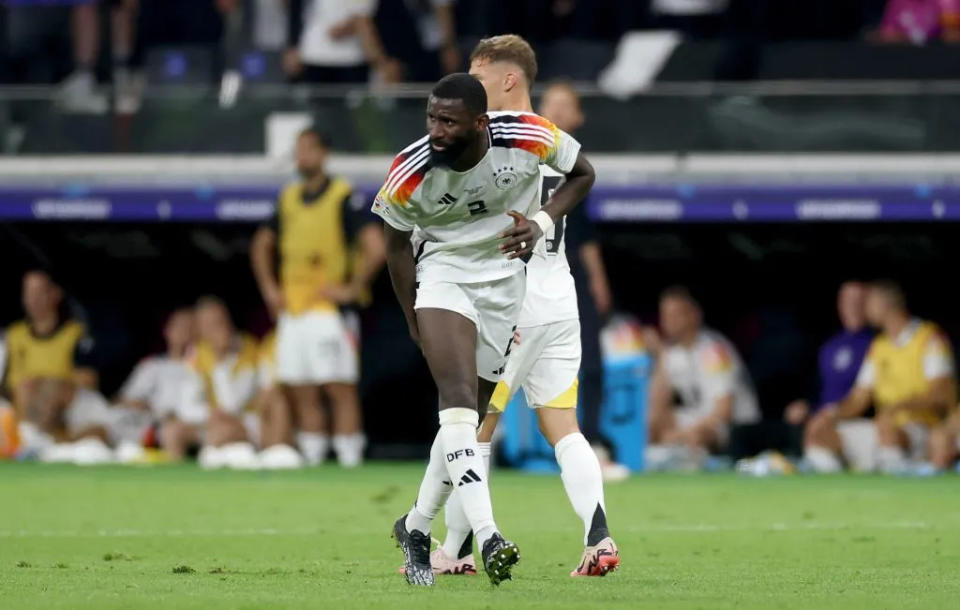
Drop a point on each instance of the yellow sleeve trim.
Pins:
(500, 398)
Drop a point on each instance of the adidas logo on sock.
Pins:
(469, 477)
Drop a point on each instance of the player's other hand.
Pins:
(519, 240)
(796, 412)
(341, 294)
(414, 331)
(273, 297)
(292, 63)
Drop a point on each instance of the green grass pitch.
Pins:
(175, 536)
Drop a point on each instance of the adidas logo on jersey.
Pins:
(447, 199)
(469, 477)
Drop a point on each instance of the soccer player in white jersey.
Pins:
(546, 360)
(466, 189)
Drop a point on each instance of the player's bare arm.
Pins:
(855, 404)
(403, 274)
(262, 251)
(520, 239)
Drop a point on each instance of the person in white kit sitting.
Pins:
(700, 387)
(154, 389)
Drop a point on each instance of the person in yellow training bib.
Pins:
(318, 222)
(48, 373)
(908, 376)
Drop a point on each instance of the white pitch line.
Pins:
(686, 527)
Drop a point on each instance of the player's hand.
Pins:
(276, 302)
(519, 239)
(450, 58)
(516, 337)
(600, 291)
(390, 70)
(341, 294)
(796, 412)
(292, 63)
(344, 29)
(414, 331)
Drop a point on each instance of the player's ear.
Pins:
(510, 80)
(482, 121)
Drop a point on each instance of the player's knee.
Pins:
(887, 432)
(172, 434)
(555, 424)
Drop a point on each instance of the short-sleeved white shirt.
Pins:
(159, 381)
(709, 370)
(456, 217)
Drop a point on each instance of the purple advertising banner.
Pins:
(648, 203)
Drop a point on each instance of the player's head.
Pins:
(885, 298)
(179, 330)
(561, 105)
(506, 66)
(456, 116)
(680, 315)
(851, 305)
(41, 294)
(310, 152)
(213, 323)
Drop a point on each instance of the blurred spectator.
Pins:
(157, 384)
(920, 21)
(336, 41)
(700, 386)
(430, 54)
(561, 104)
(318, 221)
(842, 355)
(49, 374)
(907, 375)
(215, 409)
(38, 32)
(269, 29)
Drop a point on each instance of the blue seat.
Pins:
(623, 420)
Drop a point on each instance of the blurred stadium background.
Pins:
(758, 152)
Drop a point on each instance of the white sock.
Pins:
(580, 472)
(434, 491)
(314, 446)
(822, 459)
(891, 460)
(349, 449)
(465, 465)
(459, 541)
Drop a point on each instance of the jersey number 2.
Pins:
(477, 207)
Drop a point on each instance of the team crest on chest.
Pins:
(505, 178)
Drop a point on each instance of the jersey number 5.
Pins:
(550, 185)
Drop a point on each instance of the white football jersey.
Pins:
(457, 216)
(551, 293)
(158, 381)
(708, 370)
